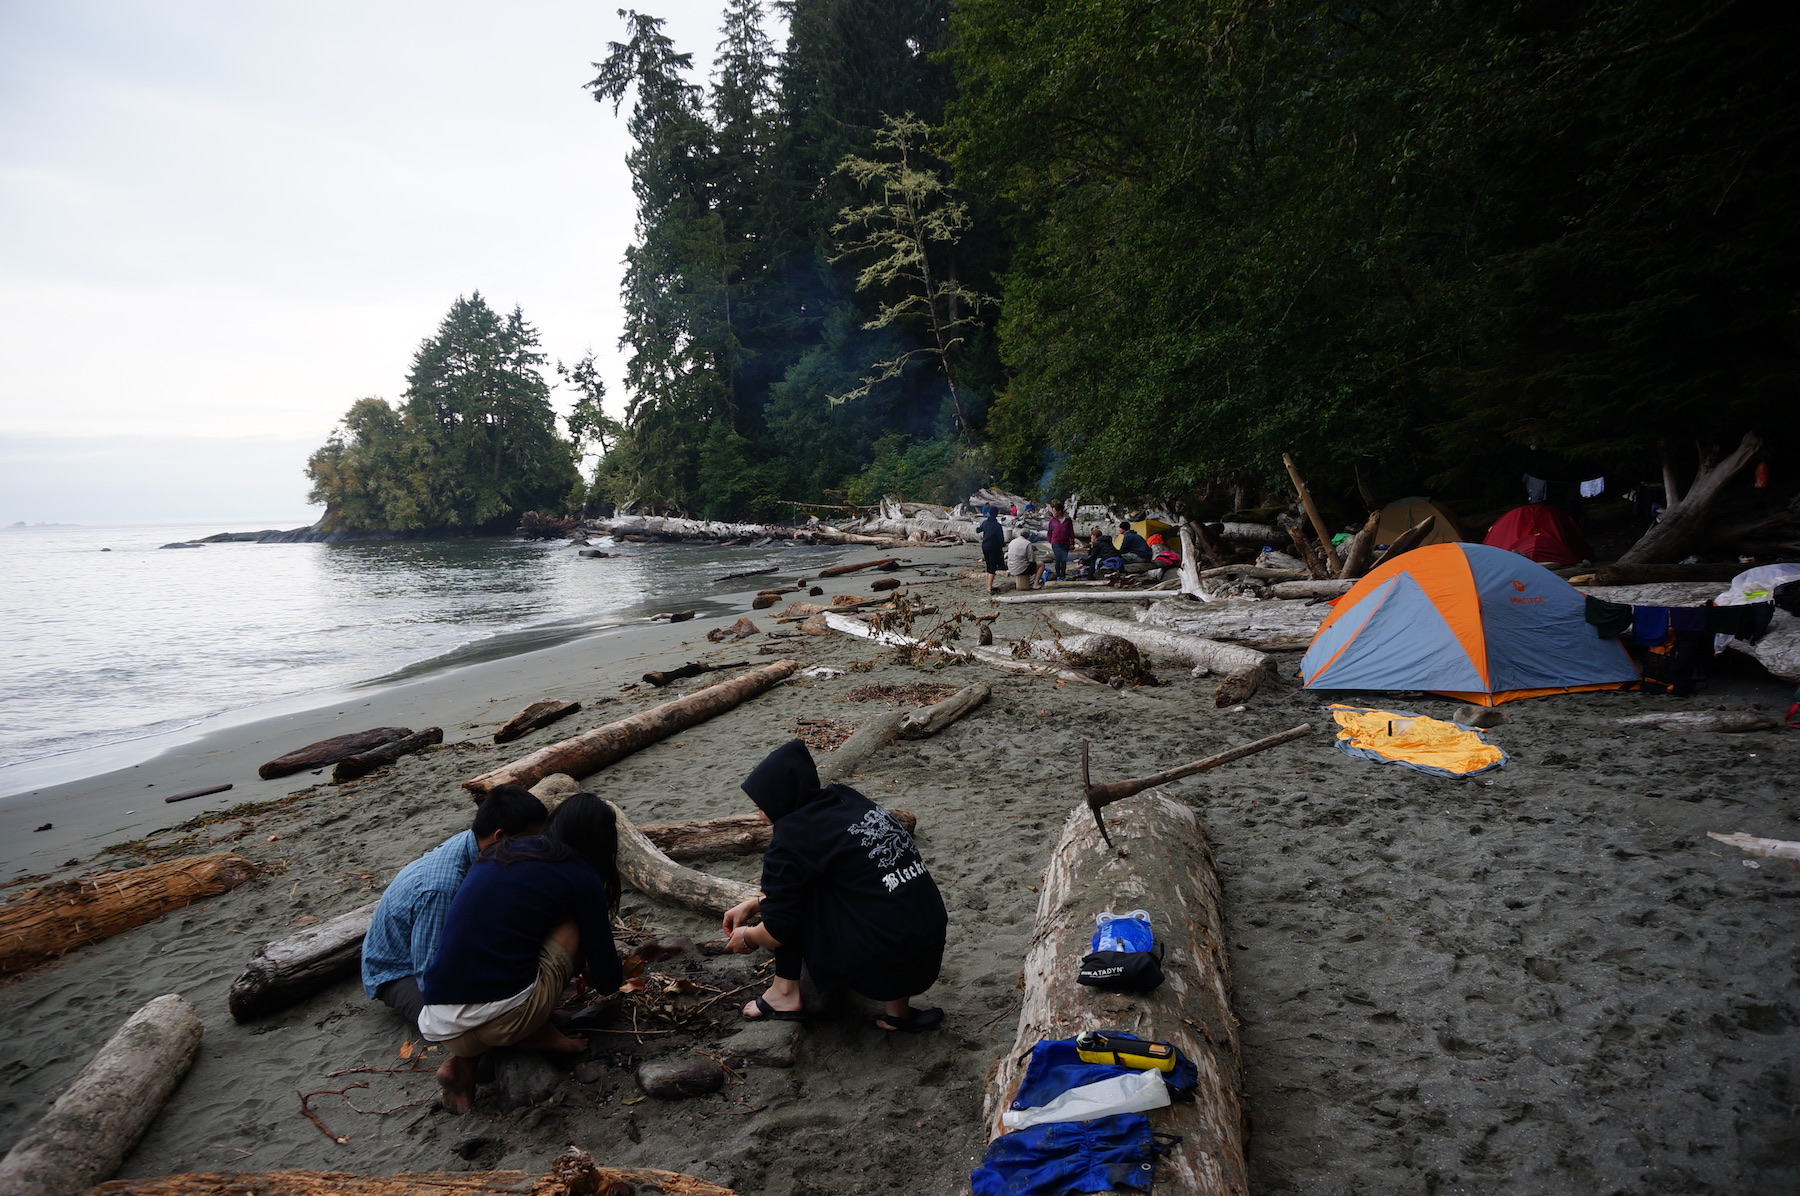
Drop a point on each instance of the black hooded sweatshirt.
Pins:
(842, 877)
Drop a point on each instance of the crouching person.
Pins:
(531, 914)
(409, 920)
(844, 892)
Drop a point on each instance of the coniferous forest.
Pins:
(1142, 249)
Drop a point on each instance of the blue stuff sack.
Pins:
(1123, 932)
(1122, 956)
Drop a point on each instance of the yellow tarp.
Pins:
(1149, 527)
(1427, 744)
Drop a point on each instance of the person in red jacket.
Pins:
(1061, 537)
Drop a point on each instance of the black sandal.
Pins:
(768, 1013)
(916, 1021)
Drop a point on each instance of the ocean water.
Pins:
(102, 648)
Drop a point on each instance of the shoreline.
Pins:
(117, 792)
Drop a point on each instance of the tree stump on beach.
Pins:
(330, 751)
(56, 918)
(572, 1173)
(534, 716)
(104, 1111)
(291, 969)
(1164, 865)
(593, 750)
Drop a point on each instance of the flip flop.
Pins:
(768, 1013)
(916, 1021)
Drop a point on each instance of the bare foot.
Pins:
(457, 1080)
(549, 1038)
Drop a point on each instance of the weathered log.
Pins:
(593, 750)
(1247, 533)
(538, 714)
(1310, 589)
(1779, 849)
(351, 767)
(1189, 571)
(1255, 572)
(107, 1107)
(1100, 795)
(1725, 721)
(1406, 541)
(1683, 523)
(733, 834)
(208, 791)
(1316, 568)
(646, 869)
(746, 573)
(886, 583)
(330, 751)
(691, 669)
(572, 1173)
(865, 741)
(1362, 549)
(289, 970)
(1165, 866)
(856, 627)
(1312, 512)
(929, 720)
(1210, 655)
(1196, 532)
(56, 918)
(1638, 575)
(840, 570)
(1272, 625)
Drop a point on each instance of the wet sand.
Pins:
(1541, 980)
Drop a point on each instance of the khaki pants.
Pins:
(555, 969)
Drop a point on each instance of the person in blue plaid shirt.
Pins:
(404, 932)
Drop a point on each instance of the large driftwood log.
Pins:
(1362, 549)
(330, 751)
(646, 869)
(874, 735)
(840, 570)
(593, 750)
(732, 834)
(289, 970)
(1210, 655)
(929, 720)
(1189, 571)
(1255, 573)
(56, 918)
(1310, 589)
(538, 714)
(1682, 525)
(1730, 722)
(1247, 533)
(1166, 867)
(572, 1173)
(1639, 575)
(100, 1116)
(364, 763)
(1312, 512)
(1406, 541)
(999, 660)
(1778, 849)
(1108, 595)
(1274, 625)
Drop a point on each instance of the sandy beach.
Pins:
(1544, 979)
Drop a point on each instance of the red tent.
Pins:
(1542, 533)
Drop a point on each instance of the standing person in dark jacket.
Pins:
(845, 892)
(528, 914)
(1061, 534)
(993, 545)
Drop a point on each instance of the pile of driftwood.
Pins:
(533, 526)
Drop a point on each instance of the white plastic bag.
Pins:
(1136, 1093)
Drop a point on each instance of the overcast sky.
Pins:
(221, 222)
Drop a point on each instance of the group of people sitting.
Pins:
(1018, 558)
(474, 943)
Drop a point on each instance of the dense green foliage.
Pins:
(1413, 241)
(1426, 242)
(472, 445)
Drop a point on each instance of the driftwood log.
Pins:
(929, 720)
(1406, 541)
(1731, 722)
(1779, 849)
(1311, 589)
(1312, 512)
(733, 834)
(694, 668)
(1108, 595)
(593, 750)
(56, 918)
(1642, 575)
(534, 716)
(1272, 625)
(1166, 867)
(330, 751)
(874, 735)
(288, 970)
(1204, 654)
(572, 1173)
(104, 1111)
(208, 791)
(1681, 526)
(364, 763)
(1189, 570)
(999, 660)
(1361, 549)
(645, 868)
(840, 570)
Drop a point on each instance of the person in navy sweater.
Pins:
(845, 892)
(530, 913)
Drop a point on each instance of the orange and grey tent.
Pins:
(1467, 621)
(1396, 517)
(1541, 532)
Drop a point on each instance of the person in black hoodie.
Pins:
(993, 545)
(845, 892)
